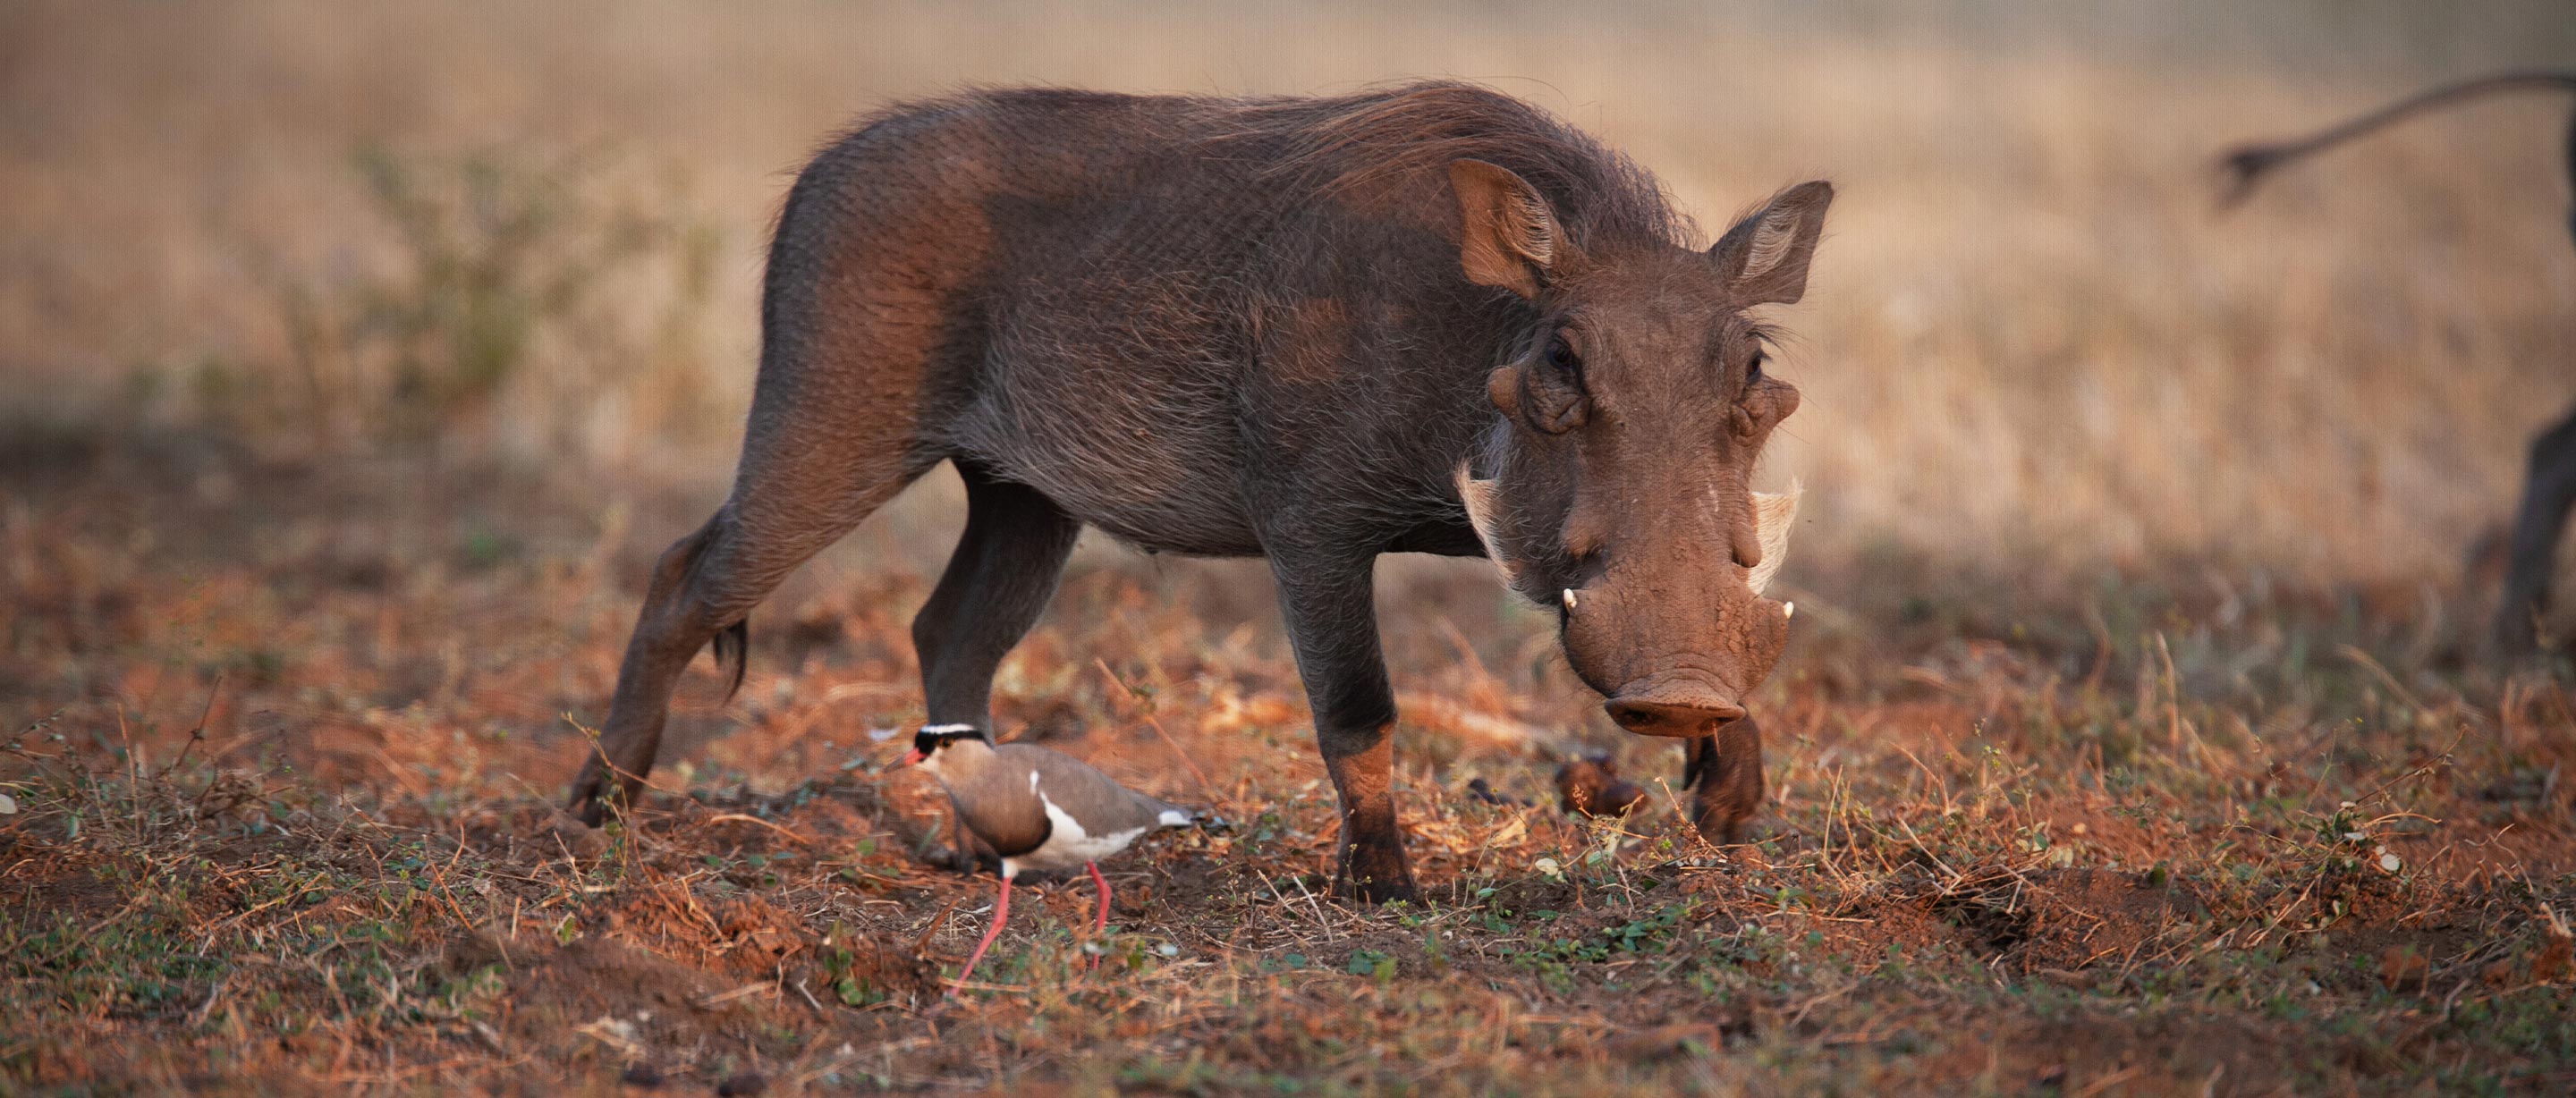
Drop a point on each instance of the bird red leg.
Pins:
(1099, 925)
(1001, 914)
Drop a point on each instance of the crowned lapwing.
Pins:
(1038, 809)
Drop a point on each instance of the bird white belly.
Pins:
(1068, 845)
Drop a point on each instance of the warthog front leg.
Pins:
(1724, 772)
(1330, 606)
(998, 582)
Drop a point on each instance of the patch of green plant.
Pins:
(1371, 963)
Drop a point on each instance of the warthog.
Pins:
(2549, 490)
(1424, 319)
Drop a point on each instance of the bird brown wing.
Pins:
(1093, 799)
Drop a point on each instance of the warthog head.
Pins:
(1616, 485)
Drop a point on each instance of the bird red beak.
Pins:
(910, 757)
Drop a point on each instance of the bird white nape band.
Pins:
(946, 729)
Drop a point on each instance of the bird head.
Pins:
(936, 741)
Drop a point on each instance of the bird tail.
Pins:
(1177, 816)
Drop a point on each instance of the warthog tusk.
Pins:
(1484, 513)
(1773, 513)
(1569, 600)
(1788, 610)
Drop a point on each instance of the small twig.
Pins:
(1814, 1001)
(2423, 771)
(722, 997)
(1917, 840)
(2175, 726)
(1186, 760)
(1318, 906)
(1114, 680)
(198, 734)
(198, 1017)
(1157, 726)
(738, 817)
(2283, 915)
(2356, 655)
(2108, 1081)
(936, 921)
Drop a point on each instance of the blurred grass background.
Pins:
(2034, 344)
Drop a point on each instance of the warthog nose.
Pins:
(1648, 717)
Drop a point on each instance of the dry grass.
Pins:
(2130, 563)
(284, 781)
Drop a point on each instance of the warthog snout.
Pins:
(1702, 685)
(1672, 712)
(1678, 658)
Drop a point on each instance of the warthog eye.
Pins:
(1560, 354)
(1551, 398)
(1753, 371)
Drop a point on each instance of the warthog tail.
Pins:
(733, 653)
(2247, 164)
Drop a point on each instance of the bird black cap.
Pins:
(932, 736)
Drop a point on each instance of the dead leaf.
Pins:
(615, 1032)
(2403, 969)
(2551, 963)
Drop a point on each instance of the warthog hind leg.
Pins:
(2547, 494)
(811, 470)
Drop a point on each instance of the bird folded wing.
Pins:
(1099, 803)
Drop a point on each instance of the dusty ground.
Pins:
(284, 777)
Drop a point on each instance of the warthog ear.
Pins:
(1507, 235)
(1764, 257)
(1485, 513)
(1773, 513)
